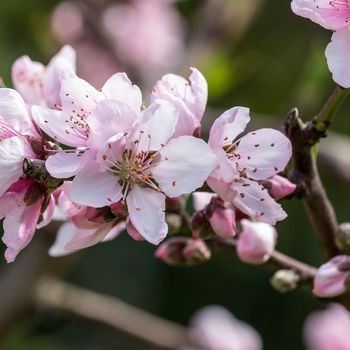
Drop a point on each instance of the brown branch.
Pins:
(110, 312)
(305, 173)
(276, 262)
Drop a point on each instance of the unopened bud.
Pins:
(182, 251)
(256, 242)
(174, 222)
(285, 281)
(333, 278)
(279, 186)
(343, 237)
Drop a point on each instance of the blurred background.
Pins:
(253, 53)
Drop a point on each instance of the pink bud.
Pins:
(332, 278)
(256, 243)
(182, 251)
(223, 222)
(132, 231)
(279, 186)
(200, 225)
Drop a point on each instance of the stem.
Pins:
(324, 119)
(276, 262)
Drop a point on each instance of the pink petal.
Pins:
(65, 234)
(117, 115)
(256, 243)
(115, 232)
(185, 165)
(120, 88)
(19, 228)
(228, 126)
(95, 189)
(132, 231)
(78, 97)
(200, 90)
(223, 222)
(64, 61)
(27, 77)
(146, 211)
(223, 188)
(157, 126)
(329, 14)
(263, 153)
(201, 200)
(12, 154)
(48, 213)
(63, 165)
(14, 112)
(255, 201)
(55, 124)
(338, 57)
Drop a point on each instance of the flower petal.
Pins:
(14, 112)
(186, 162)
(256, 202)
(95, 189)
(119, 88)
(65, 234)
(338, 57)
(228, 126)
(146, 211)
(201, 200)
(263, 153)
(200, 90)
(63, 165)
(117, 115)
(12, 154)
(55, 124)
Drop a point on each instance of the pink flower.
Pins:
(146, 34)
(334, 15)
(141, 165)
(215, 328)
(279, 186)
(332, 278)
(72, 124)
(244, 162)
(39, 84)
(256, 243)
(189, 98)
(328, 329)
(20, 207)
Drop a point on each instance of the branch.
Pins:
(276, 262)
(305, 173)
(111, 312)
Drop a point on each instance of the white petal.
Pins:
(65, 234)
(186, 162)
(201, 200)
(63, 165)
(146, 211)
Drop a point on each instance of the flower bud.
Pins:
(332, 278)
(256, 243)
(343, 237)
(182, 251)
(285, 281)
(174, 222)
(279, 186)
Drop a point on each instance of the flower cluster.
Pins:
(105, 162)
